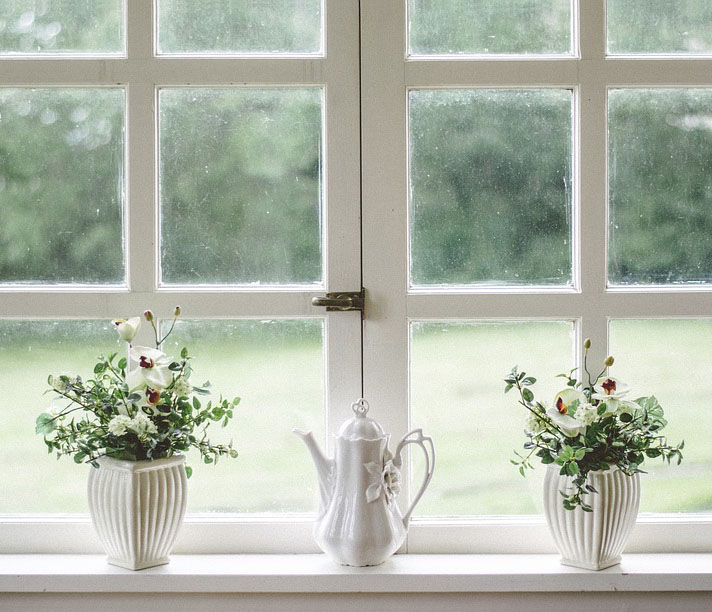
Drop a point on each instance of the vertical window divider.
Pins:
(142, 184)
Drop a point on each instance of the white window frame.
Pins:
(388, 74)
(142, 72)
(380, 126)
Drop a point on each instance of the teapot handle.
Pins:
(429, 451)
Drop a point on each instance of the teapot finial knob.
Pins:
(360, 408)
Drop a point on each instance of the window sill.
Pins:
(316, 574)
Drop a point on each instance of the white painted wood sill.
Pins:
(407, 573)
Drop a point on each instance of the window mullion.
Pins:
(384, 184)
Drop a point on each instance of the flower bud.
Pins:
(148, 315)
(177, 311)
(587, 343)
(609, 361)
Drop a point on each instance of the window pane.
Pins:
(457, 373)
(670, 359)
(32, 480)
(451, 27)
(660, 186)
(240, 181)
(490, 177)
(659, 26)
(277, 368)
(61, 185)
(249, 26)
(61, 26)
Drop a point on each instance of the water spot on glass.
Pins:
(24, 23)
(48, 116)
(22, 107)
(79, 114)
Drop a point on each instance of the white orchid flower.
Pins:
(127, 328)
(149, 368)
(611, 391)
(565, 404)
(149, 400)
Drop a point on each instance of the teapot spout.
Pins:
(324, 467)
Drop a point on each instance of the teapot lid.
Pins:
(361, 427)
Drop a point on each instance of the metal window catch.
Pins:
(341, 301)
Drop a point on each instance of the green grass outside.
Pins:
(456, 396)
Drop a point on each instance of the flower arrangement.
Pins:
(143, 407)
(590, 426)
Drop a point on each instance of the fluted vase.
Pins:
(592, 540)
(137, 508)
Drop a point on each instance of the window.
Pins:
(504, 179)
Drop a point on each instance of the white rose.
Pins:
(587, 414)
(149, 369)
(127, 328)
(142, 426)
(182, 387)
(117, 426)
(59, 385)
(533, 425)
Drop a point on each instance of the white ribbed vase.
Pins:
(592, 540)
(137, 508)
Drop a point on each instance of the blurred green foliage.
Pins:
(244, 26)
(241, 183)
(489, 26)
(61, 26)
(240, 179)
(491, 186)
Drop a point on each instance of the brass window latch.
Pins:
(341, 301)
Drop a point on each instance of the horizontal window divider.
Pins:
(185, 71)
(195, 304)
(558, 305)
(559, 73)
(481, 73)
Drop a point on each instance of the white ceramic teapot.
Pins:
(359, 522)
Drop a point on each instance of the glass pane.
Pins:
(249, 26)
(29, 27)
(240, 181)
(457, 396)
(660, 186)
(659, 26)
(490, 179)
(670, 359)
(277, 368)
(62, 185)
(32, 480)
(475, 27)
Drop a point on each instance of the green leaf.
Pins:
(573, 469)
(579, 454)
(122, 363)
(527, 395)
(99, 368)
(175, 367)
(45, 424)
(196, 403)
(184, 353)
(508, 388)
(188, 469)
(529, 380)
